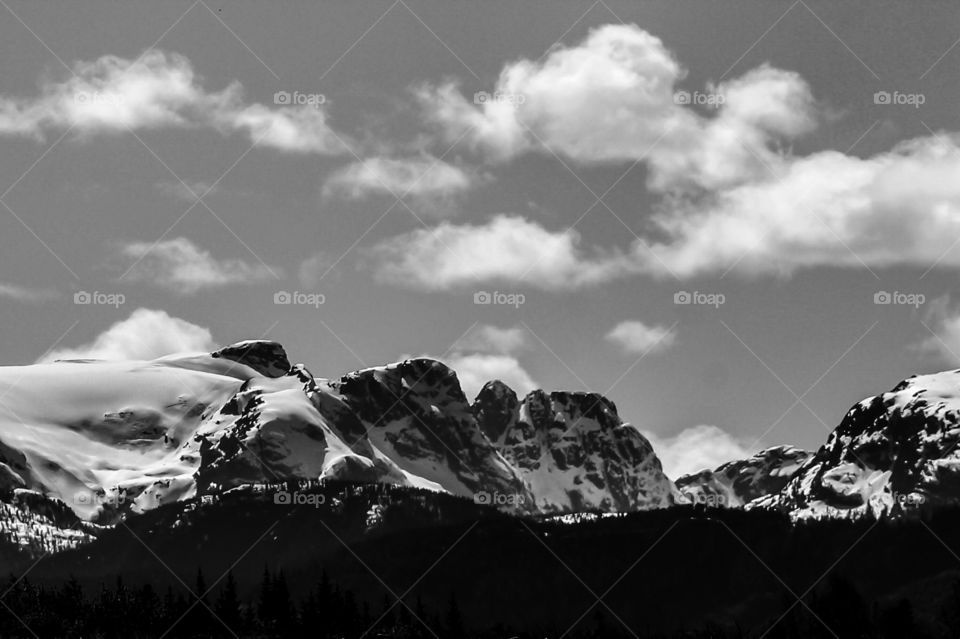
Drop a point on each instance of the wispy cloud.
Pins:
(487, 338)
(186, 192)
(635, 337)
(26, 293)
(424, 177)
(943, 321)
(181, 266)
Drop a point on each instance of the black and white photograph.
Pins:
(480, 319)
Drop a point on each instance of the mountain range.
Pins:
(85, 444)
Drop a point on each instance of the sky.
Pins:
(734, 219)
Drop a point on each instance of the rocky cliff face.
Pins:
(415, 414)
(573, 451)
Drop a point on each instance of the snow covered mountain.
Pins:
(737, 483)
(573, 451)
(892, 453)
(112, 439)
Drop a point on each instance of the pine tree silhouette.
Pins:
(228, 606)
(453, 623)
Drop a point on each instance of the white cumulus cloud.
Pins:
(696, 448)
(734, 196)
(476, 369)
(487, 353)
(614, 97)
(508, 249)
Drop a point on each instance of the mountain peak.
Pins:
(495, 408)
(266, 357)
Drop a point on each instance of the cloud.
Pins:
(733, 194)
(316, 267)
(944, 322)
(161, 90)
(181, 266)
(146, 334)
(26, 294)
(506, 249)
(614, 97)
(486, 338)
(487, 353)
(187, 192)
(900, 207)
(695, 449)
(636, 337)
(476, 369)
(420, 177)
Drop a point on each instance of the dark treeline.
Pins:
(327, 612)
(476, 573)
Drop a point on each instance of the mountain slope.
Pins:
(737, 483)
(891, 453)
(109, 438)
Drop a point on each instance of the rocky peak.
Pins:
(573, 450)
(266, 357)
(388, 390)
(416, 413)
(495, 408)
